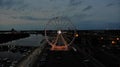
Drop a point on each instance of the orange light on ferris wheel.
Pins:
(76, 35)
(113, 42)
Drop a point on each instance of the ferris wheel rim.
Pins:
(46, 36)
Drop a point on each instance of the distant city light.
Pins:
(113, 42)
(76, 35)
(103, 45)
(102, 38)
(118, 38)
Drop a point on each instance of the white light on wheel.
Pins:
(59, 32)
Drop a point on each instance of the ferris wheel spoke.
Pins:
(66, 37)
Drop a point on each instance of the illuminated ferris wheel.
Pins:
(60, 33)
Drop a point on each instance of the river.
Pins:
(33, 40)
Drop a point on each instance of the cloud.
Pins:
(79, 17)
(30, 18)
(75, 2)
(52, 0)
(110, 4)
(114, 3)
(11, 4)
(87, 8)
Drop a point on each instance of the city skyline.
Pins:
(34, 14)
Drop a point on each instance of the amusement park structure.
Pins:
(60, 33)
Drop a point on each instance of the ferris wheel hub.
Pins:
(59, 31)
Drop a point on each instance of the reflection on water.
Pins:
(33, 40)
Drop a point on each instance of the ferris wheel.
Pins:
(60, 33)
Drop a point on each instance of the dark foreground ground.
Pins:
(11, 56)
(73, 58)
(90, 49)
